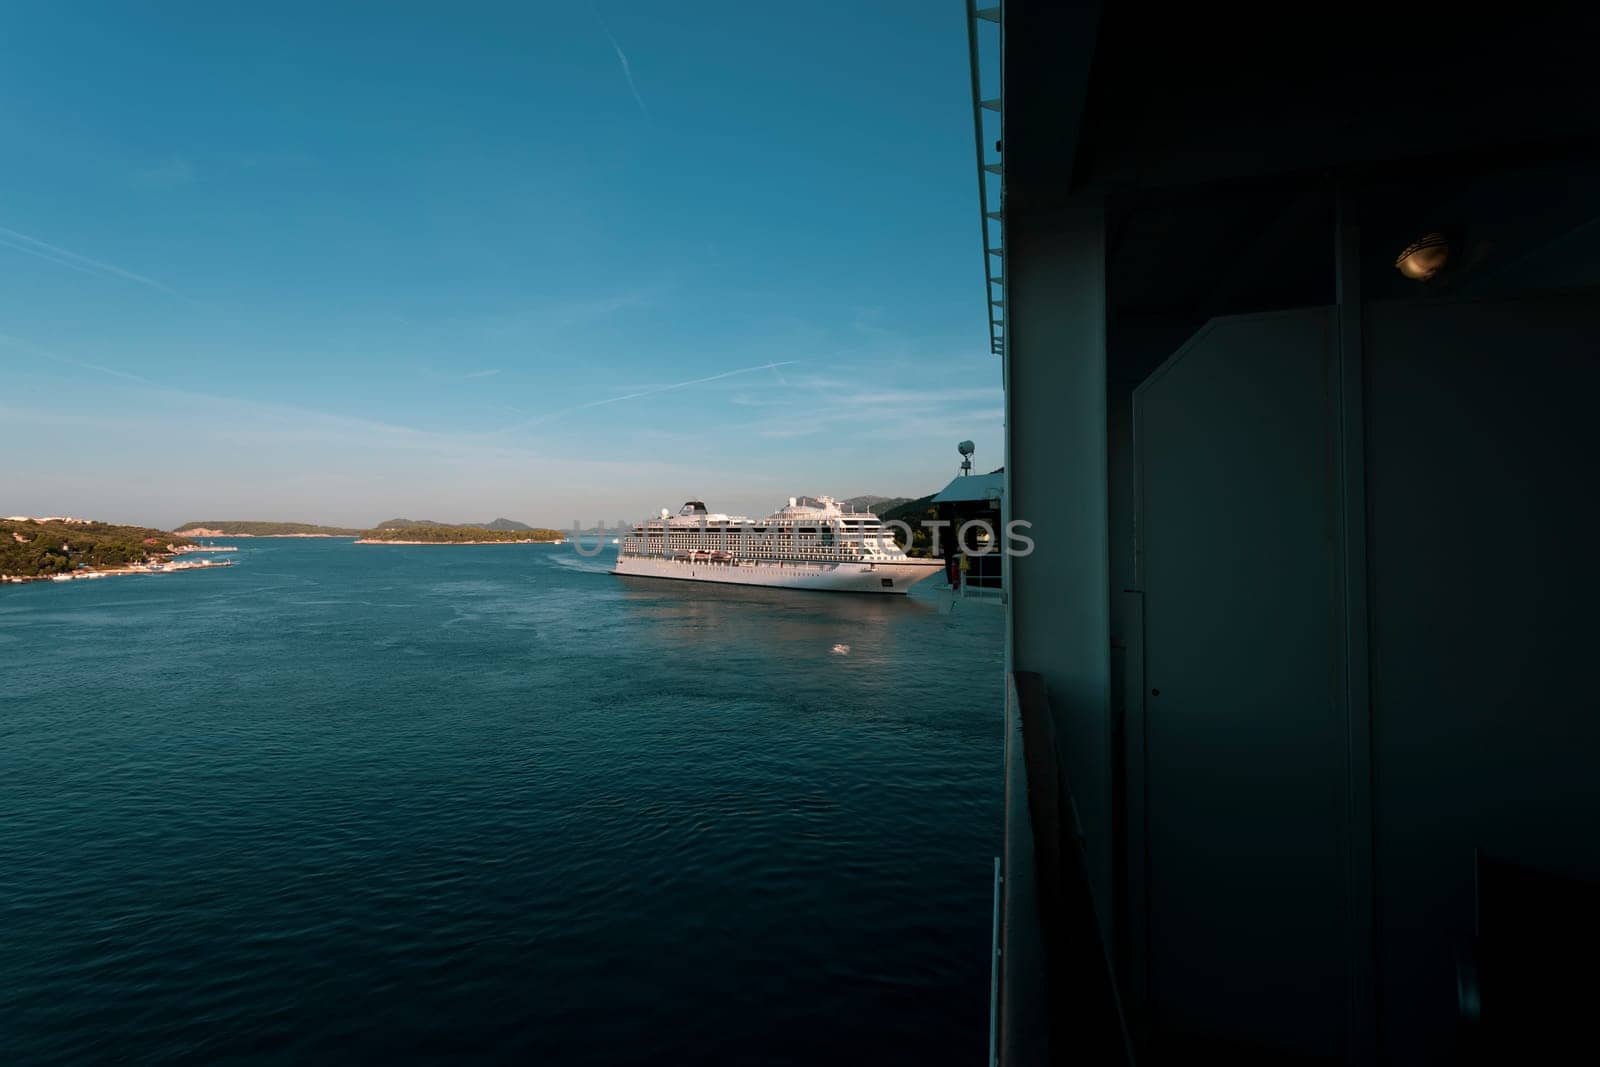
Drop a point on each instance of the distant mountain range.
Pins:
(494, 524)
(253, 528)
(434, 533)
(882, 506)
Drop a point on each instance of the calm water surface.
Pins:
(365, 803)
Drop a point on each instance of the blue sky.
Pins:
(460, 261)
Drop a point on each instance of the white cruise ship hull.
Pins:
(894, 578)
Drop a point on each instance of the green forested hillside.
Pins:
(31, 549)
(912, 513)
(875, 504)
(493, 524)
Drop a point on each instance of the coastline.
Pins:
(387, 541)
(260, 537)
(86, 573)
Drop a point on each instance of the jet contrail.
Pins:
(65, 258)
(627, 70)
(12, 342)
(50, 259)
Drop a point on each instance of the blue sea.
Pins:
(345, 803)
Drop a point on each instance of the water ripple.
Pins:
(335, 804)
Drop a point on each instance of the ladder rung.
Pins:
(988, 14)
(992, 168)
(991, 105)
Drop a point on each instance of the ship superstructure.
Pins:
(811, 543)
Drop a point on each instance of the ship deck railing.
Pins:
(792, 557)
(1055, 997)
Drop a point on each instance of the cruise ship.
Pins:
(812, 543)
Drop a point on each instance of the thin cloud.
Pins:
(456, 377)
(247, 445)
(898, 413)
(66, 258)
(918, 399)
(642, 393)
(838, 393)
(35, 350)
(170, 174)
(627, 68)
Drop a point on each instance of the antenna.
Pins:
(966, 449)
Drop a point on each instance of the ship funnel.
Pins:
(793, 501)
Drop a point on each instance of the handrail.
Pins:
(993, 252)
(1058, 997)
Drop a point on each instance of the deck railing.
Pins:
(1057, 998)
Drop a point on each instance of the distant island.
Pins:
(111, 548)
(493, 524)
(438, 534)
(60, 548)
(218, 528)
(257, 528)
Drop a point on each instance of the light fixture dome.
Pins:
(1424, 257)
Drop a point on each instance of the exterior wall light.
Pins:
(1424, 257)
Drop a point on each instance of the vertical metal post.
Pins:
(994, 973)
(1352, 500)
